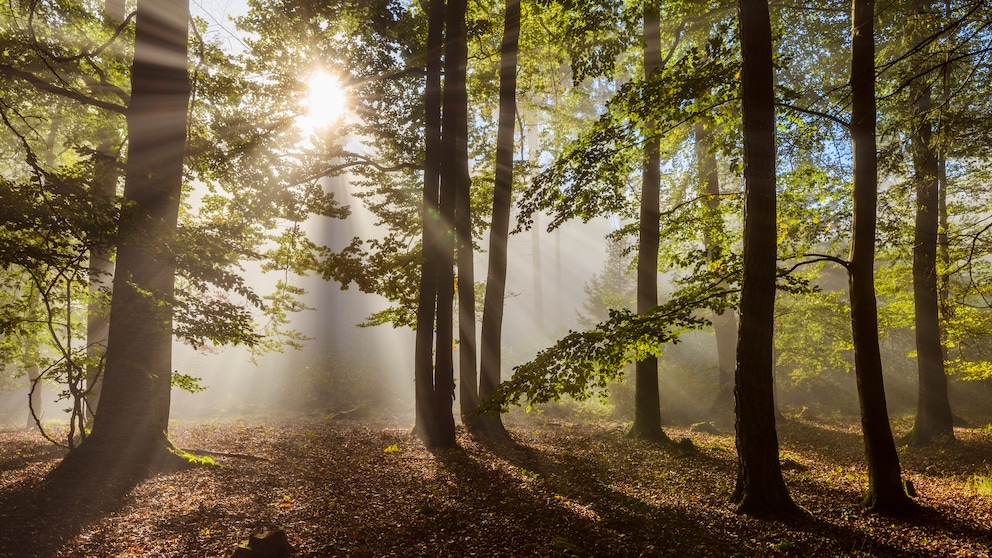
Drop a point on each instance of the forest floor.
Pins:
(558, 488)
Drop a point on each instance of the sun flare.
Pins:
(327, 101)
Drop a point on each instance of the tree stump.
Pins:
(268, 543)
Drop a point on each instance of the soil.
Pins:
(557, 488)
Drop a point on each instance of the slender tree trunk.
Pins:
(444, 375)
(433, 230)
(760, 488)
(492, 315)
(536, 265)
(33, 371)
(456, 106)
(131, 430)
(724, 323)
(647, 403)
(943, 244)
(933, 415)
(885, 489)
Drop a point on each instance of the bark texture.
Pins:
(760, 488)
(131, 429)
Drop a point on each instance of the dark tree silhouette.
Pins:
(760, 488)
(492, 314)
(130, 433)
(434, 378)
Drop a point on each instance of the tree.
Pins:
(725, 321)
(647, 402)
(933, 416)
(492, 315)
(435, 384)
(454, 134)
(886, 494)
(760, 488)
(131, 430)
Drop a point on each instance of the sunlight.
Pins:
(327, 102)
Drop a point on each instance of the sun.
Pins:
(327, 102)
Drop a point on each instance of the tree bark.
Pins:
(647, 401)
(456, 107)
(131, 430)
(760, 488)
(433, 230)
(886, 495)
(933, 414)
(492, 314)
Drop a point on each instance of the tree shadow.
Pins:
(679, 530)
(42, 514)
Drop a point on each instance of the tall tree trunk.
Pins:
(933, 414)
(444, 375)
(725, 322)
(456, 114)
(647, 403)
(943, 243)
(131, 429)
(492, 314)
(433, 231)
(885, 489)
(760, 488)
(101, 264)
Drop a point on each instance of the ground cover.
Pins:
(368, 488)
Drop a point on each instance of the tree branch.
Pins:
(11, 72)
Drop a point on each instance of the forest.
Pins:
(495, 278)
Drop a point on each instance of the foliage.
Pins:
(592, 176)
(583, 362)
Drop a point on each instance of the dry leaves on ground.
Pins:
(370, 489)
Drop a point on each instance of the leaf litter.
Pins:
(556, 488)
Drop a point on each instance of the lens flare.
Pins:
(327, 101)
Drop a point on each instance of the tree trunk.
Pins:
(131, 431)
(101, 264)
(433, 230)
(885, 489)
(492, 314)
(724, 323)
(933, 414)
(456, 107)
(536, 265)
(760, 488)
(647, 404)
